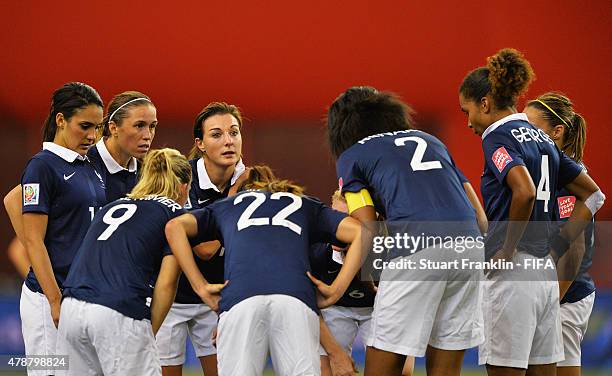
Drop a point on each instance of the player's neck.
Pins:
(220, 176)
(115, 151)
(499, 114)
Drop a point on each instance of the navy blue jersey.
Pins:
(63, 185)
(267, 239)
(583, 285)
(325, 268)
(203, 193)
(510, 142)
(413, 181)
(410, 176)
(117, 180)
(121, 253)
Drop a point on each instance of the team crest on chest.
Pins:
(30, 194)
(501, 158)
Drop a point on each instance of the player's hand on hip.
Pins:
(326, 294)
(211, 294)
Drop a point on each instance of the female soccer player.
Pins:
(555, 115)
(216, 164)
(269, 303)
(106, 326)
(60, 190)
(409, 178)
(352, 313)
(129, 129)
(521, 308)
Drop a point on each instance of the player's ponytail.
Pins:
(557, 109)
(262, 178)
(506, 77)
(67, 100)
(163, 173)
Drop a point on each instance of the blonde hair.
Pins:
(262, 178)
(337, 196)
(557, 108)
(163, 173)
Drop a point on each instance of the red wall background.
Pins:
(283, 62)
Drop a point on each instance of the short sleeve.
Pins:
(207, 226)
(568, 170)
(350, 176)
(326, 224)
(38, 187)
(501, 154)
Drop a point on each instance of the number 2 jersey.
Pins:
(413, 182)
(513, 141)
(267, 238)
(121, 253)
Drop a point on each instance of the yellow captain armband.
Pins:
(357, 200)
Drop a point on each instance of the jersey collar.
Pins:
(497, 124)
(62, 152)
(204, 179)
(111, 164)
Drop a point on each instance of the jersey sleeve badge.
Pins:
(566, 206)
(30, 194)
(501, 158)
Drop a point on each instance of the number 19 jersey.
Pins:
(121, 253)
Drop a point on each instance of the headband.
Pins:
(553, 111)
(131, 101)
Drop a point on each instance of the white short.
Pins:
(39, 332)
(101, 341)
(196, 320)
(574, 322)
(521, 315)
(417, 308)
(345, 322)
(279, 324)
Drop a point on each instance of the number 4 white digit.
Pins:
(417, 163)
(543, 191)
(115, 222)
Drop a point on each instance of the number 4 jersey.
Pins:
(267, 238)
(510, 142)
(121, 253)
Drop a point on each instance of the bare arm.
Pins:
(521, 206)
(569, 265)
(481, 217)
(13, 205)
(35, 228)
(19, 257)
(340, 362)
(207, 250)
(177, 232)
(164, 291)
(349, 231)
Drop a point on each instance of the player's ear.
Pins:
(557, 132)
(112, 127)
(60, 120)
(200, 144)
(485, 105)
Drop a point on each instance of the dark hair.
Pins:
(67, 100)
(261, 177)
(506, 76)
(213, 108)
(362, 111)
(574, 137)
(118, 101)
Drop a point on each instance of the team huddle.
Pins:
(132, 250)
